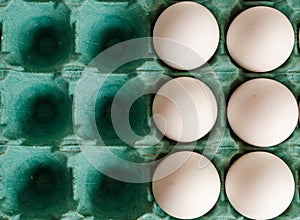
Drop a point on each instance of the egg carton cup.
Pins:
(45, 48)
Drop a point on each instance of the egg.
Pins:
(186, 35)
(184, 109)
(186, 185)
(262, 112)
(260, 39)
(259, 185)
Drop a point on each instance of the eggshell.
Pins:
(184, 109)
(186, 185)
(260, 39)
(191, 35)
(262, 112)
(259, 185)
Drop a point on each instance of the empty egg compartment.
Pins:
(100, 25)
(36, 183)
(37, 109)
(94, 119)
(104, 197)
(37, 36)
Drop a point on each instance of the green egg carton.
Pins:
(46, 46)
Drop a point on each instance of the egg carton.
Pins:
(45, 48)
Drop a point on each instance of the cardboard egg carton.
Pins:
(46, 46)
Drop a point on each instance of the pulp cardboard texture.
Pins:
(45, 48)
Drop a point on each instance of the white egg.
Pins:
(184, 109)
(186, 35)
(186, 185)
(262, 112)
(260, 39)
(259, 185)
